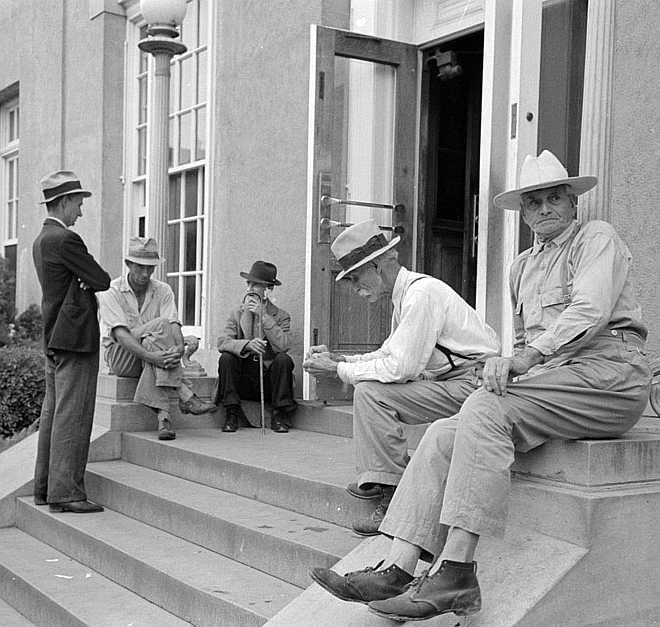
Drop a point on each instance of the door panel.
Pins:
(363, 166)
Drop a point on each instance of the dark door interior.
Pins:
(449, 162)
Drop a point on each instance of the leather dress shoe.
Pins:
(234, 416)
(367, 492)
(195, 405)
(76, 507)
(277, 422)
(369, 526)
(362, 586)
(453, 588)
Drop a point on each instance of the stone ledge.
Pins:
(123, 388)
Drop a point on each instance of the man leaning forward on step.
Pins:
(425, 369)
(143, 336)
(579, 372)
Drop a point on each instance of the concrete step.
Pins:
(515, 573)
(273, 540)
(301, 471)
(123, 388)
(53, 590)
(9, 617)
(192, 582)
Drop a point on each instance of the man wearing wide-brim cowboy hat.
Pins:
(143, 336)
(423, 371)
(69, 277)
(256, 328)
(580, 371)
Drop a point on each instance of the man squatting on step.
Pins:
(143, 336)
(580, 372)
(256, 333)
(425, 369)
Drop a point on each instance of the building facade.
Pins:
(291, 119)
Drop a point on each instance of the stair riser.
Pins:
(158, 587)
(34, 604)
(325, 502)
(286, 560)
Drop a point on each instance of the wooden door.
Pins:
(364, 107)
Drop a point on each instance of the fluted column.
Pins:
(596, 134)
(162, 49)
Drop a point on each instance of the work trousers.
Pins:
(154, 384)
(380, 411)
(459, 475)
(65, 426)
(238, 378)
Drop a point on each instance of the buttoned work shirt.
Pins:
(426, 312)
(118, 306)
(566, 290)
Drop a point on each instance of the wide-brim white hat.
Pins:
(541, 172)
(359, 244)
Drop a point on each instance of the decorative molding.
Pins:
(435, 19)
(596, 133)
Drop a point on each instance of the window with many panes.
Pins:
(9, 140)
(187, 157)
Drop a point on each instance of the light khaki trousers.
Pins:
(459, 475)
(380, 411)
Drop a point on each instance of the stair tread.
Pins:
(261, 517)
(9, 617)
(314, 456)
(74, 586)
(188, 563)
(524, 561)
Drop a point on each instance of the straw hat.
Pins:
(61, 183)
(143, 250)
(541, 172)
(359, 244)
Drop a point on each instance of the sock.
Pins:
(184, 392)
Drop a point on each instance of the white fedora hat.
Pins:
(541, 172)
(61, 183)
(359, 244)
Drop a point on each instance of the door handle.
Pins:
(327, 223)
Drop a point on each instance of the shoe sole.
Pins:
(334, 593)
(404, 619)
(362, 497)
(366, 534)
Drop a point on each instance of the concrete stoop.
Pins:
(221, 529)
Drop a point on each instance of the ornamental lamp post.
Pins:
(163, 18)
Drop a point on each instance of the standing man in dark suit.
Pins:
(69, 277)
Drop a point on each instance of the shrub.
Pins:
(22, 386)
(27, 326)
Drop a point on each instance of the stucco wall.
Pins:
(260, 167)
(71, 98)
(635, 153)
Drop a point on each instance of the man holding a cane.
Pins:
(254, 362)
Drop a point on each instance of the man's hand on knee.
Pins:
(498, 370)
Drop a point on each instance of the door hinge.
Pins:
(321, 85)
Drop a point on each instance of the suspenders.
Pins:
(443, 349)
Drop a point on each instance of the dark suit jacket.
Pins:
(238, 331)
(69, 313)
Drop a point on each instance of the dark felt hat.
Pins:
(262, 272)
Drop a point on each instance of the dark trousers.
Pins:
(65, 426)
(238, 378)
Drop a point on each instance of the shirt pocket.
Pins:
(553, 301)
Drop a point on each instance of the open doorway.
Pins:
(449, 162)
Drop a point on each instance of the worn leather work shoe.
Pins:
(76, 507)
(278, 422)
(195, 405)
(362, 586)
(369, 526)
(454, 588)
(165, 431)
(368, 491)
(233, 417)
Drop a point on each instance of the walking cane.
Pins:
(261, 362)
